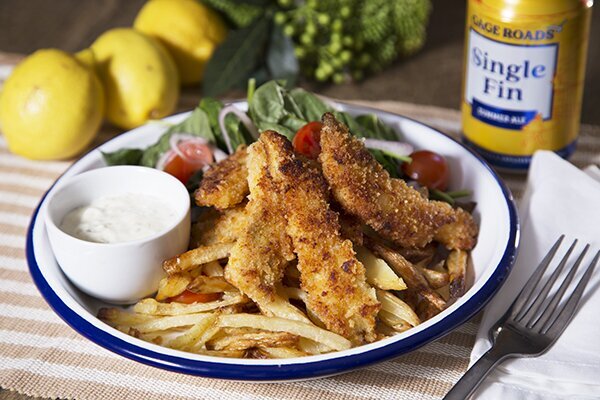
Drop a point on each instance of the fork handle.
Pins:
(475, 375)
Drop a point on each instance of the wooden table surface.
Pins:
(431, 77)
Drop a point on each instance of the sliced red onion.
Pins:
(218, 154)
(243, 118)
(164, 160)
(178, 137)
(400, 149)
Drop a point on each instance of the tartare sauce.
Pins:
(121, 218)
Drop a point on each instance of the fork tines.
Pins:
(534, 309)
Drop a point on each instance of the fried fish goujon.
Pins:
(365, 189)
(263, 249)
(333, 278)
(225, 184)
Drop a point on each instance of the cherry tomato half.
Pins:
(197, 155)
(189, 297)
(428, 169)
(306, 141)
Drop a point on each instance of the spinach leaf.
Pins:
(355, 128)
(237, 132)
(272, 106)
(236, 58)
(311, 107)
(234, 127)
(212, 107)
(267, 104)
(375, 128)
(281, 59)
(123, 157)
(281, 129)
(197, 124)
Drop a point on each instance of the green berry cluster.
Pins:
(340, 40)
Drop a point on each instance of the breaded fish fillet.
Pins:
(218, 226)
(258, 259)
(333, 278)
(461, 234)
(365, 189)
(225, 184)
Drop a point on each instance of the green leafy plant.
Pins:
(327, 40)
(270, 106)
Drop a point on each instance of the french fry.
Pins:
(208, 284)
(153, 307)
(411, 275)
(254, 339)
(175, 321)
(282, 352)
(299, 294)
(435, 278)
(207, 335)
(444, 292)
(213, 268)
(384, 329)
(172, 285)
(391, 304)
(152, 337)
(378, 272)
(276, 324)
(393, 321)
(189, 339)
(119, 317)
(418, 254)
(311, 347)
(314, 318)
(197, 256)
(439, 266)
(282, 308)
(457, 269)
(194, 272)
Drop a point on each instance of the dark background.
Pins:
(432, 77)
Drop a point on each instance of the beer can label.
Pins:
(523, 81)
(509, 85)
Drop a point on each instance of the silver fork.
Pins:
(533, 322)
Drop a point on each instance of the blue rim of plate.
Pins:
(287, 372)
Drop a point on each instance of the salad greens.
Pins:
(270, 106)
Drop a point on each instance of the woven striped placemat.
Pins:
(41, 356)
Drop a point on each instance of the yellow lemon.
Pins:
(189, 30)
(139, 76)
(51, 106)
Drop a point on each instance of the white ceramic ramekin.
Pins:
(120, 273)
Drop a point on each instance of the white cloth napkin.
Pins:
(559, 198)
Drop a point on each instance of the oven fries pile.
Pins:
(293, 256)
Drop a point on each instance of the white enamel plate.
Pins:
(492, 259)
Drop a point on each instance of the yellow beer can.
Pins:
(523, 77)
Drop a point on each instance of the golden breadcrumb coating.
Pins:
(258, 259)
(461, 234)
(218, 226)
(225, 184)
(365, 189)
(333, 278)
